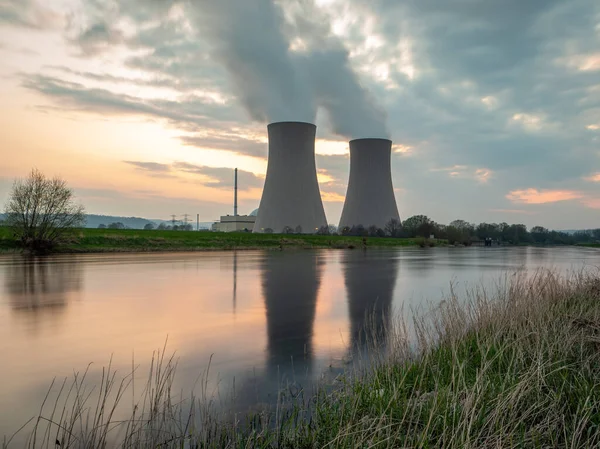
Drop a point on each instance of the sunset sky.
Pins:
(146, 106)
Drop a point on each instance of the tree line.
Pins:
(150, 226)
(465, 233)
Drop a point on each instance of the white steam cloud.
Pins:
(252, 41)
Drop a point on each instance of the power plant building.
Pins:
(291, 196)
(235, 222)
(370, 196)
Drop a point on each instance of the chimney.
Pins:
(235, 211)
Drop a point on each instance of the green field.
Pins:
(133, 240)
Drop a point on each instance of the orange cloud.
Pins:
(332, 197)
(593, 178)
(534, 196)
(592, 203)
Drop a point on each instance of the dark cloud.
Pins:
(218, 177)
(221, 177)
(188, 112)
(154, 167)
(98, 37)
(29, 14)
(228, 142)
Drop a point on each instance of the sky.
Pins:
(146, 106)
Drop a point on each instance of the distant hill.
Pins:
(93, 221)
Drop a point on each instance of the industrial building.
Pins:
(235, 222)
(291, 194)
(370, 196)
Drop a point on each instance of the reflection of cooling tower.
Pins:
(291, 194)
(370, 197)
(370, 278)
(290, 285)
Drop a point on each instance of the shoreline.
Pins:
(84, 241)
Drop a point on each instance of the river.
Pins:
(263, 318)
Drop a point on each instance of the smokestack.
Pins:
(370, 197)
(235, 212)
(291, 194)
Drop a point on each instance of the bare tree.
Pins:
(41, 211)
(323, 230)
(298, 229)
(287, 230)
(393, 227)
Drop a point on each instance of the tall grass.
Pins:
(516, 367)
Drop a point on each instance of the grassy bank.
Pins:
(128, 240)
(519, 368)
(589, 245)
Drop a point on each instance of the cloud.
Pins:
(98, 37)
(29, 14)
(534, 196)
(481, 175)
(592, 203)
(593, 178)
(217, 177)
(221, 177)
(154, 167)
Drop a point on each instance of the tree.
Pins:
(42, 211)
(539, 234)
(116, 225)
(419, 225)
(287, 230)
(333, 229)
(268, 231)
(393, 228)
(298, 229)
(323, 230)
(359, 231)
(101, 226)
(149, 227)
(372, 231)
(162, 227)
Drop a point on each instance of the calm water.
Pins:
(265, 317)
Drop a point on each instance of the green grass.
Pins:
(113, 240)
(517, 369)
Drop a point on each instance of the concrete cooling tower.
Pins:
(370, 196)
(291, 194)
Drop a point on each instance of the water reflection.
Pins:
(40, 285)
(370, 278)
(290, 287)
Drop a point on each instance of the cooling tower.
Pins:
(291, 194)
(370, 197)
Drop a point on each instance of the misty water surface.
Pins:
(266, 318)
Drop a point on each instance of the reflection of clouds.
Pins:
(36, 285)
(370, 278)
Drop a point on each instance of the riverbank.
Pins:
(517, 367)
(132, 240)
